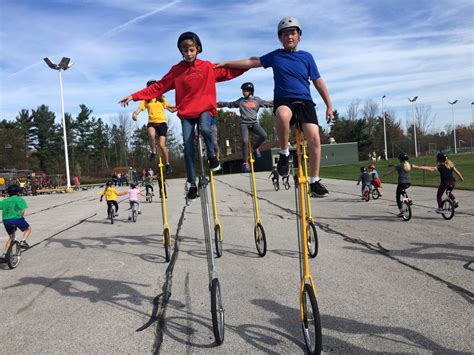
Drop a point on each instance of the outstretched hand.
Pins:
(124, 102)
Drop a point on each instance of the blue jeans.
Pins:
(188, 140)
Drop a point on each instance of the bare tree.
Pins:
(369, 112)
(352, 110)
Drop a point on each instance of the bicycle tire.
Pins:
(448, 209)
(217, 311)
(312, 235)
(134, 215)
(406, 211)
(366, 196)
(375, 194)
(276, 186)
(260, 239)
(218, 240)
(167, 244)
(13, 254)
(287, 186)
(311, 322)
(111, 215)
(151, 198)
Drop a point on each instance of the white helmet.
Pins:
(289, 22)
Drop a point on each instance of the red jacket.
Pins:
(195, 85)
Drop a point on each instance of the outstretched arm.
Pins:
(431, 169)
(458, 173)
(252, 62)
(136, 113)
(230, 104)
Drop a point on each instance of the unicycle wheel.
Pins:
(311, 322)
(260, 240)
(448, 209)
(312, 236)
(218, 239)
(13, 254)
(167, 243)
(217, 311)
(406, 209)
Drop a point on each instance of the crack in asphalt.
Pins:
(466, 294)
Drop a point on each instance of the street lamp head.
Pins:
(65, 64)
(50, 63)
(452, 103)
(413, 100)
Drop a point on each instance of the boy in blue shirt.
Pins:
(364, 178)
(292, 72)
(13, 209)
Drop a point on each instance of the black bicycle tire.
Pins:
(375, 194)
(218, 240)
(316, 349)
(261, 249)
(10, 263)
(312, 227)
(134, 215)
(111, 215)
(287, 186)
(167, 244)
(451, 208)
(406, 218)
(276, 186)
(216, 301)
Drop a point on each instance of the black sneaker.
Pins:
(318, 189)
(192, 192)
(214, 164)
(168, 169)
(283, 165)
(24, 244)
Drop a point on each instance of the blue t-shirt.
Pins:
(291, 73)
(375, 174)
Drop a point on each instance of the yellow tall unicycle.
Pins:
(217, 223)
(311, 231)
(309, 312)
(166, 227)
(258, 231)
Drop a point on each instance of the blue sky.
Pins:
(364, 50)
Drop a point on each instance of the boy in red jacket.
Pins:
(194, 82)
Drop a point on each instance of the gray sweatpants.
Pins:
(244, 133)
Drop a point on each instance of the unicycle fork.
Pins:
(217, 307)
(312, 234)
(309, 312)
(258, 231)
(166, 227)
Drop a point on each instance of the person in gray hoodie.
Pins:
(248, 106)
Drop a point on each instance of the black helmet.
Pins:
(150, 82)
(190, 35)
(441, 157)
(403, 156)
(248, 87)
(13, 189)
(363, 169)
(108, 183)
(132, 185)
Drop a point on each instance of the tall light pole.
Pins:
(64, 64)
(454, 125)
(472, 121)
(384, 132)
(414, 123)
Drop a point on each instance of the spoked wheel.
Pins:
(311, 323)
(111, 216)
(13, 254)
(448, 209)
(287, 186)
(134, 215)
(366, 195)
(167, 243)
(375, 194)
(150, 198)
(218, 239)
(312, 236)
(260, 240)
(276, 185)
(406, 209)
(217, 311)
